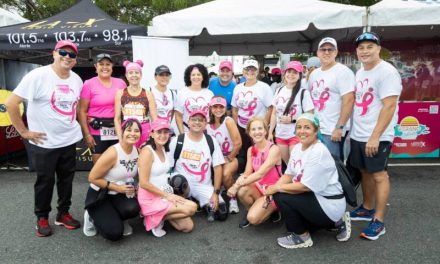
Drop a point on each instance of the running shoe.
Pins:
(343, 227)
(88, 227)
(374, 230)
(158, 230)
(244, 222)
(67, 220)
(362, 214)
(294, 241)
(43, 227)
(233, 206)
(128, 230)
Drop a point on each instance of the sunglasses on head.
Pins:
(102, 56)
(368, 36)
(64, 53)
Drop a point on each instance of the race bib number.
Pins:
(108, 133)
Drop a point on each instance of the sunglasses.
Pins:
(329, 50)
(64, 53)
(198, 119)
(368, 36)
(251, 69)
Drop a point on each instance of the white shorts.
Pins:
(202, 193)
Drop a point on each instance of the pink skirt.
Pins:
(153, 208)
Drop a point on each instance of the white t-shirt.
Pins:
(165, 102)
(281, 97)
(316, 169)
(51, 105)
(372, 87)
(188, 101)
(327, 88)
(221, 134)
(195, 159)
(251, 101)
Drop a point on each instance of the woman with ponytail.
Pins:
(135, 102)
(289, 102)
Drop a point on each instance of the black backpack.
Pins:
(347, 183)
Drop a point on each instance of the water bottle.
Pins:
(130, 181)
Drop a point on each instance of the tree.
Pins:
(139, 12)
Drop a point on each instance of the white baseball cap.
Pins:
(250, 63)
(328, 40)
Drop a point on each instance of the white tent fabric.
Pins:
(405, 19)
(234, 27)
(7, 18)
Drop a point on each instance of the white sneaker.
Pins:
(128, 230)
(233, 206)
(88, 227)
(158, 231)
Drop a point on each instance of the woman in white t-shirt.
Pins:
(309, 194)
(225, 131)
(163, 96)
(155, 195)
(289, 102)
(194, 97)
(110, 199)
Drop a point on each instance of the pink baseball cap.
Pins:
(198, 112)
(159, 124)
(66, 43)
(225, 64)
(276, 71)
(296, 65)
(217, 101)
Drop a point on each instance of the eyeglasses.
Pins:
(197, 119)
(252, 69)
(368, 36)
(329, 50)
(64, 53)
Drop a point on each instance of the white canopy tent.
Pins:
(241, 27)
(7, 18)
(405, 19)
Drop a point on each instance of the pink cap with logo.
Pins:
(295, 65)
(198, 112)
(217, 101)
(225, 64)
(159, 124)
(66, 43)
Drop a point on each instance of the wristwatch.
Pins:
(217, 191)
(339, 126)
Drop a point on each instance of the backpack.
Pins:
(179, 146)
(347, 183)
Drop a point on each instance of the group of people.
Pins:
(271, 150)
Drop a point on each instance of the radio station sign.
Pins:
(84, 23)
(417, 132)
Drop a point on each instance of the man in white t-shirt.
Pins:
(195, 162)
(52, 94)
(378, 87)
(332, 90)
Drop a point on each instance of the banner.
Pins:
(417, 132)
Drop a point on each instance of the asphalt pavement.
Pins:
(412, 224)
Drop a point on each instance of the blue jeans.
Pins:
(335, 148)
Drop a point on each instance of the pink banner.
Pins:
(417, 132)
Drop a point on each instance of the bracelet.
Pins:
(88, 136)
(108, 184)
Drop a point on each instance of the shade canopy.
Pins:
(84, 23)
(405, 19)
(7, 18)
(240, 27)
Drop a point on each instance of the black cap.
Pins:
(162, 69)
(367, 36)
(102, 56)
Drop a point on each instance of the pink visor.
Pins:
(217, 101)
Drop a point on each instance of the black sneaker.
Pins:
(275, 217)
(244, 222)
(43, 227)
(67, 221)
(210, 213)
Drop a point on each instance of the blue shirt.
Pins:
(218, 89)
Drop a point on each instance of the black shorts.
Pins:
(377, 163)
(102, 145)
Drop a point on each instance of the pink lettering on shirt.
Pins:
(194, 104)
(64, 102)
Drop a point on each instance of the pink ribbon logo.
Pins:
(248, 105)
(320, 101)
(202, 173)
(58, 100)
(193, 104)
(367, 97)
(225, 144)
